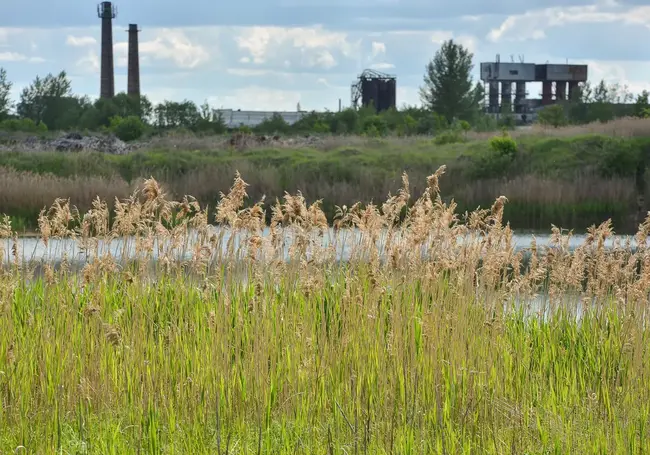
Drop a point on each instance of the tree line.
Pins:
(451, 100)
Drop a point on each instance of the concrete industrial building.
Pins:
(234, 118)
(499, 78)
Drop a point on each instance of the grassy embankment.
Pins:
(555, 178)
(414, 356)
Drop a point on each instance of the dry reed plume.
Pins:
(405, 328)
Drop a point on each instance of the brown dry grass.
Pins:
(536, 190)
(24, 194)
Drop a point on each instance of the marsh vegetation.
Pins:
(241, 348)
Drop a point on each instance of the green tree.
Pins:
(448, 87)
(5, 95)
(641, 105)
(345, 122)
(172, 114)
(50, 100)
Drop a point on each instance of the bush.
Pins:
(504, 145)
(619, 158)
(321, 127)
(496, 161)
(374, 126)
(25, 125)
(127, 128)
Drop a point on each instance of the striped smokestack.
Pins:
(107, 13)
(133, 88)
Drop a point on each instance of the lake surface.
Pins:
(340, 245)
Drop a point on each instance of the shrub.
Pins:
(504, 145)
(619, 159)
(25, 125)
(321, 127)
(410, 125)
(464, 126)
(374, 125)
(496, 161)
(127, 128)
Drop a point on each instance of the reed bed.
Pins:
(536, 202)
(276, 347)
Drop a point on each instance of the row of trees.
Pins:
(449, 98)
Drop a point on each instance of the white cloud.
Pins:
(80, 41)
(440, 36)
(382, 66)
(322, 58)
(17, 57)
(619, 72)
(378, 48)
(532, 25)
(169, 44)
(316, 45)
(12, 57)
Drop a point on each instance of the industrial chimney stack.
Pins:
(107, 12)
(133, 88)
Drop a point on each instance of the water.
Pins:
(340, 245)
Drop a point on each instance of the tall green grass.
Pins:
(354, 365)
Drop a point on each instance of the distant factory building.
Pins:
(236, 118)
(559, 83)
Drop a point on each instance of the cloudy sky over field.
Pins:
(272, 54)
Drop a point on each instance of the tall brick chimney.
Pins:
(133, 88)
(107, 13)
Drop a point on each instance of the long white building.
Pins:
(236, 118)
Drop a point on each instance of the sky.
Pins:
(276, 54)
